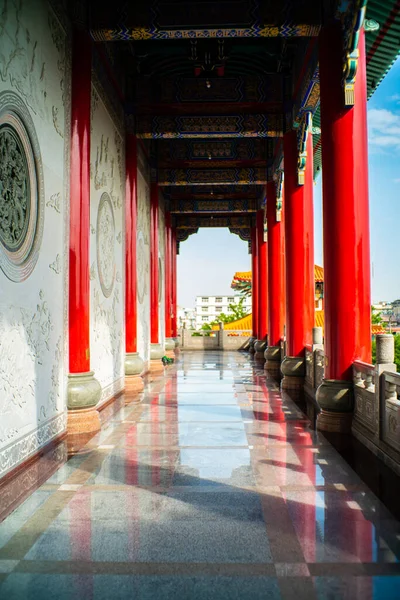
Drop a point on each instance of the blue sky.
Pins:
(209, 259)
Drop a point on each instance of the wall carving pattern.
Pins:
(106, 251)
(34, 159)
(143, 261)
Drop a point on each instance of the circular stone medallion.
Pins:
(105, 242)
(21, 189)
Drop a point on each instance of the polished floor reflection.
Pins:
(213, 487)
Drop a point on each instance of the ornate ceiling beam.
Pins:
(211, 177)
(203, 108)
(214, 152)
(226, 126)
(213, 206)
(214, 164)
(204, 94)
(193, 222)
(126, 33)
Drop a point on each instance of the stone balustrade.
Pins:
(214, 340)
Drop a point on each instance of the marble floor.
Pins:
(213, 487)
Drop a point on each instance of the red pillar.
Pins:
(254, 281)
(133, 362)
(130, 245)
(347, 294)
(154, 275)
(174, 323)
(79, 282)
(168, 276)
(262, 247)
(84, 390)
(276, 272)
(299, 257)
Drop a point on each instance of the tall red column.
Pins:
(254, 281)
(83, 390)
(133, 362)
(174, 323)
(347, 293)
(276, 283)
(299, 261)
(154, 275)
(168, 277)
(262, 246)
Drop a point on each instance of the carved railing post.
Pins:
(384, 362)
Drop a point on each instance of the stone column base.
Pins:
(134, 385)
(272, 364)
(334, 422)
(252, 341)
(259, 347)
(293, 371)
(336, 401)
(134, 366)
(83, 390)
(83, 421)
(156, 366)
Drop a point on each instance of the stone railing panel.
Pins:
(310, 366)
(366, 407)
(391, 410)
(319, 367)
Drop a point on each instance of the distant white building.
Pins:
(208, 308)
(186, 318)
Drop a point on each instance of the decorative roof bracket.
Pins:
(352, 54)
(302, 136)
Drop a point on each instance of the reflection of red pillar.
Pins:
(154, 275)
(83, 390)
(262, 247)
(299, 257)
(276, 283)
(174, 283)
(347, 293)
(254, 281)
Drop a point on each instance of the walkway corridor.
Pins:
(212, 487)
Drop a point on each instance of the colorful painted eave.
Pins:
(245, 276)
(382, 47)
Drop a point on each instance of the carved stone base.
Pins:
(293, 371)
(336, 401)
(156, 366)
(272, 356)
(252, 341)
(83, 421)
(83, 390)
(133, 364)
(334, 422)
(134, 385)
(169, 344)
(273, 368)
(156, 352)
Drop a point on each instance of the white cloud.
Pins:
(384, 129)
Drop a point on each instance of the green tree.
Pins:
(238, 310)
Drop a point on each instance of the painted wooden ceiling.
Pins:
(212, 85)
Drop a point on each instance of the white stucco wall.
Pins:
(143, 258)
(107, 235)
(34, 65)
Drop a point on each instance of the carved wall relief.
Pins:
(105, 242)
(21, 189)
